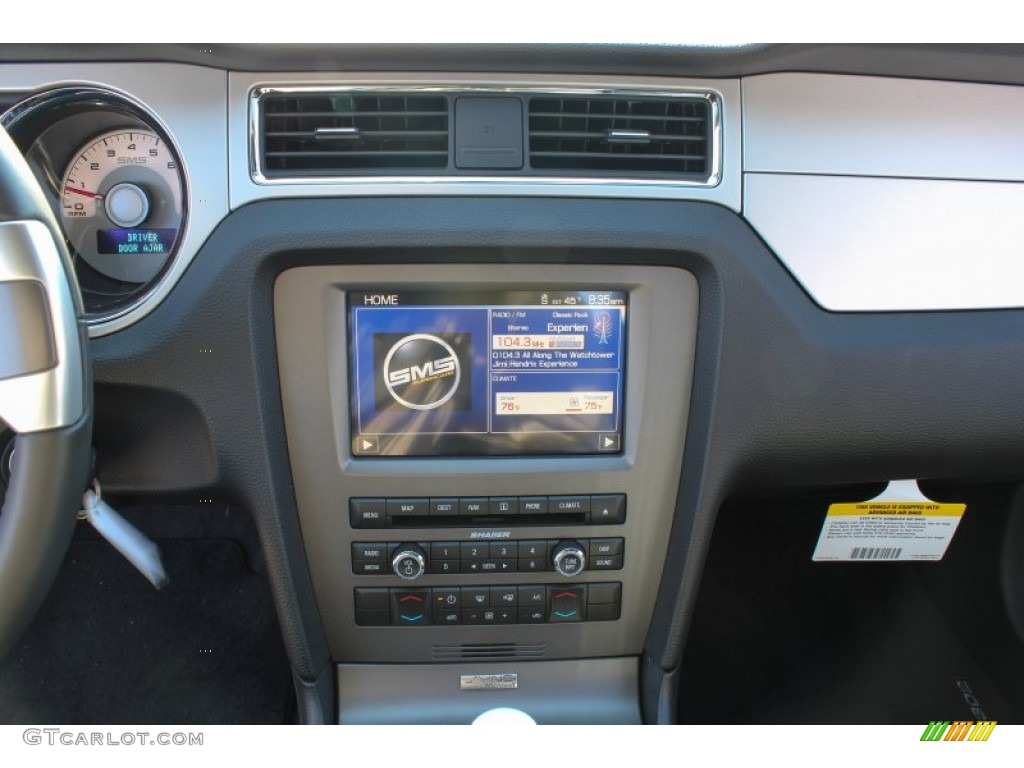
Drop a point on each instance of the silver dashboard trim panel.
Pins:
(868, 244)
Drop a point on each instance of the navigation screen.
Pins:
(487, 373)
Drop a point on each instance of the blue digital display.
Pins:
(135, 241)
(487, 373)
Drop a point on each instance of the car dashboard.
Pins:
(537, 368)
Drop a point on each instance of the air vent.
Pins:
(334, 133)
(489, 651)
(621, 135)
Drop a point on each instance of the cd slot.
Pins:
(463, 521)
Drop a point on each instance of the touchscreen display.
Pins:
(486, 373)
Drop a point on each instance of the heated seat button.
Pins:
(566, 604)
(608, 510)
(367, 513)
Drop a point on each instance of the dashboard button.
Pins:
(608, 510)
(370, 568)
(533, 505)
(445, 550)
(372, 618)
(474, 550)
(369, 551)
(504, 597)
(408, 507)
(475, 597)
(533, 564)
(531, 615)
(505, 549)
(504, 505)
(566, 604)
(367, 513)
(443, 566)
(475, 506)
(568, 504)
(539, 549)
(410, 607)
(533, 596)
(605, 563)
(444, 506)
(372, 598)
(446, 597)
(600, 547)
(603, 612)
(451, 616)
(604, 593)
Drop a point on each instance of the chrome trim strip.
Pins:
(53, 398)
(713, 97)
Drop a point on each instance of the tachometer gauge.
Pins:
(121, 204)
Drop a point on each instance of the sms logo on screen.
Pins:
(420, 371)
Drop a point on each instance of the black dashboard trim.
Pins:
(990, 63)
(785, 394)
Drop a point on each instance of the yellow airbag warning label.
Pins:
(888, 530)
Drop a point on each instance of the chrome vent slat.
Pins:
(579, 134)
(305, 132)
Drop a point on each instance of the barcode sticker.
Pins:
(893, 527)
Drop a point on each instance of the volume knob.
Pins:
(568, 558)
(409, 562)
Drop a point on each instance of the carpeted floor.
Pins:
(109, 649)
(778, 638)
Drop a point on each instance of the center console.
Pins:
(486, 460)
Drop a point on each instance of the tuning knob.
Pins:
(568, 558)
(409, 562)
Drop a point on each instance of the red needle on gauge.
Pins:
(93, 195)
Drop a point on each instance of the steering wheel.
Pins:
(45, 394)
